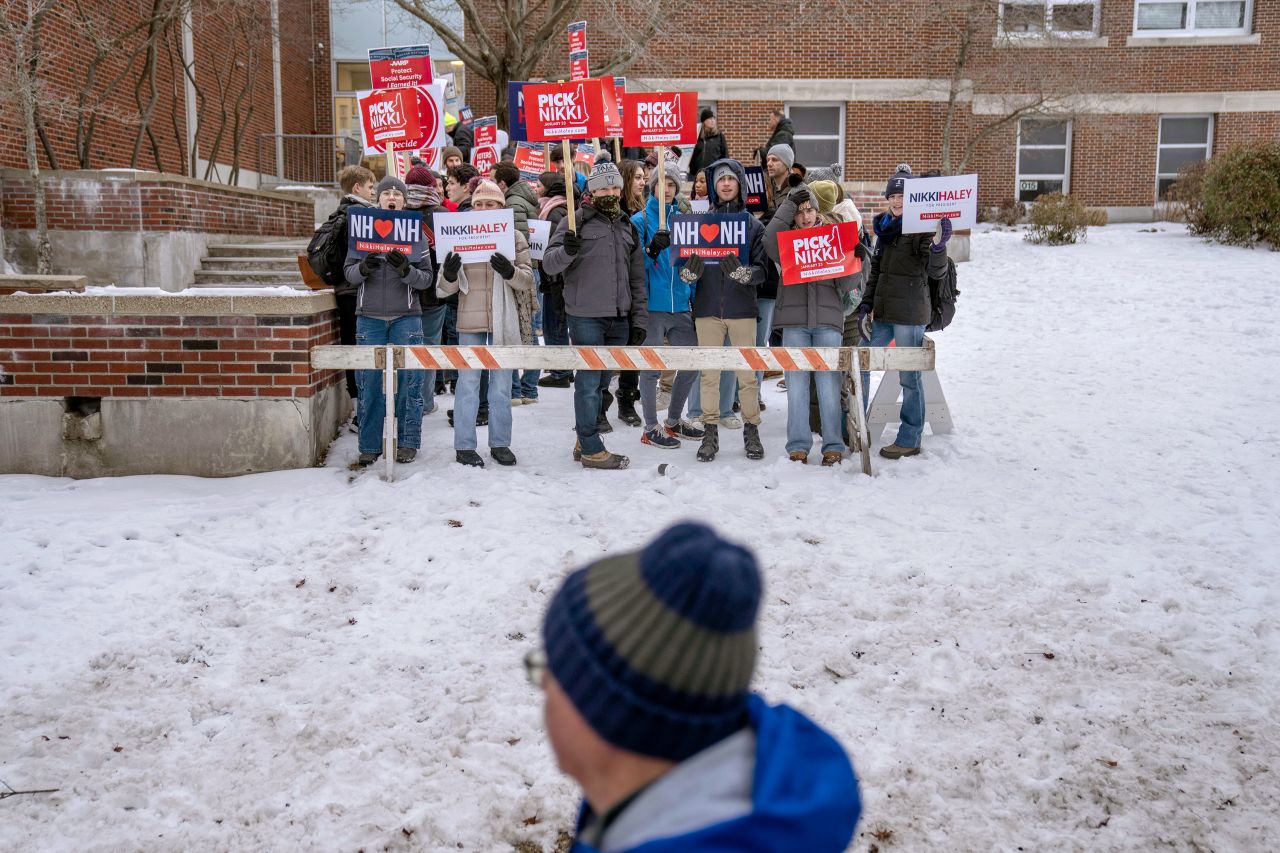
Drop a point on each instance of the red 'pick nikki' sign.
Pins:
(556, 111)
(660, 118)
(390, 116)
(818, 254)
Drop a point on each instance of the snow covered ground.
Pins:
(1055, 630)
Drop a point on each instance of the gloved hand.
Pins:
(800, 195)
(863, 253)
(693, 269)
(452, 263)
(660, 242)
(371, 262)
(794, 180)
(864, 322)
(733, 268)
(636, 337)
(398, 262)
(502, 266)
(572, 243)
(942, 236)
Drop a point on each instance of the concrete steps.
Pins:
(247, 265)
(272, 264)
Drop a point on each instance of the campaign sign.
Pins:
(620, 92)
(515, 112)
(926, 200)
(577, 36)
(485, 130)
(578, 66)
(434, 158)
(585, 153)
(539, 236)
(400, 67)
(660, 118)
(464, 114)
(711, 235)
(700, 205)
(612, 107)
(410, 119)
(530, 159)
(556, 111)
(370, 229)
(757, 201)
(484, 158)
(818, 254)
(476, 235)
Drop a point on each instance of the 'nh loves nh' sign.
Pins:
(711, 235)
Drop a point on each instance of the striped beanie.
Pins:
(656, 648)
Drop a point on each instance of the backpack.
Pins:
(327, 250)
(942, 295)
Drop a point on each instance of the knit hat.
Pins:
(721, 171)
(705, 114)
(390, 182)
(900, 175)
(553, 181)
(672, 170)
(784, 153)
(420, 176)
(487, 190)
(820, 173)
(826, 193)
(451, 151)
(604, 175)
(656, 648)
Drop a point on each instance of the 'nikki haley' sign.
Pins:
(926, 200)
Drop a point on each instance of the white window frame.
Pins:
(1049, 31)
(843, 118)
(1019, 177)
(1206, 146)
(1190, 30)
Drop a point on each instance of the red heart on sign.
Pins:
(383, 227)
(709, 232)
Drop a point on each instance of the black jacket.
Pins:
(715, 294)
(898, 285)
(783, 134)
(708, 150)
(464, 140)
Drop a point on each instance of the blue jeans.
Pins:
(467, 401)
(555, 329)
(587, 384)
(764, 327)
(432, 333)
(405, 331)
(799, 436)
(912, 414)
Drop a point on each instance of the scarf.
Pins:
(550, 203)
(609, 206)
(421, 197)
(887, 227)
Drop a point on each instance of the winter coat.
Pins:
(346, 288)
(783, 134)
(487, 302)
(464, 140)
(815, 303)
(780, 785)
(668, 292)
(898, 285)
(715, 294)
(385, 293)
(553, 209)
(606, 277)
(523, 202)
(708, 150)
(428, 296)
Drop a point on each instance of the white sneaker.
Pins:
(664, 399)
(517, 401)
(731, 422)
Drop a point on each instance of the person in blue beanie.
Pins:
(647, 670)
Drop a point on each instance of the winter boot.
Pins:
(602, 424)
(405, 455)
(751, 438)
(367, 459)
(832, 458)
(895, 451)
(605, 460)
(627, 408)
(469, 457)
(801, 456)
(502, 455)
(710, 443)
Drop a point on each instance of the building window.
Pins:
(1049, 17)
(1044, 157)
(1192, 17)
(1183, 141)
(819, 134)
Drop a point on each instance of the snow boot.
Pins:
(602, 424)
(627, 407)
(710, 443)
(367, 459)
(895, 451)
(801, 456)
(502, 455)
(405, 455)
(751, 438)
(469, 457)
(832, 458)
(605, 460)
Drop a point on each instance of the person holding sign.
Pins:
(389, 311)
(896, 305)
(487, 315)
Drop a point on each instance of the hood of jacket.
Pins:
(727, 206)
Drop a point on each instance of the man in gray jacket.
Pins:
(605, 301)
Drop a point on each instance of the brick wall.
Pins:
(87, 355)
(92, 202)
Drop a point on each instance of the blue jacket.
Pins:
(668, 292)
(780, 785)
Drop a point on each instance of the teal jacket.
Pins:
(668, 292)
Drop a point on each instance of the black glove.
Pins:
(398, 262)
(637, 336)
(371, 262)
(800, 195)
(864, 322)
(502, 266)
(794, 180)
(693, 269)
(660, 243)
(572, 243)
(452, 263)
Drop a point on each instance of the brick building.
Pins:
(203, 88)
(1105, 99)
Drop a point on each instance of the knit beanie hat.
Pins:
(705, 114)
(826, 193)
(656, 648)
(390, 182)
(721, 171)
(900, 175)
(672, 170)
(487, 190)
(451, 151)
(784, 153)
(553, 181)
(420, 176)
(604, 175)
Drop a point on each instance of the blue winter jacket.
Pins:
(780, 785)
(668, 292)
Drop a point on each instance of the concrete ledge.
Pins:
(1193, 41)
(1058, 42)
(140, 177)
(177, 305)
(42, 283)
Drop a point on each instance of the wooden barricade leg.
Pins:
(856, 422)
(389, 418)
(885, 404)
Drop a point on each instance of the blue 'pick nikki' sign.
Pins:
(711, 235)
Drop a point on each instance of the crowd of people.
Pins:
(610, 281)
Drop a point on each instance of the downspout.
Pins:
(279, 92)
(189, 87)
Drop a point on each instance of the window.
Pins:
(1056, 17)
(1044, 157)
(1183, 140)
(819, 134)
(354, 77)
(1192, 17)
